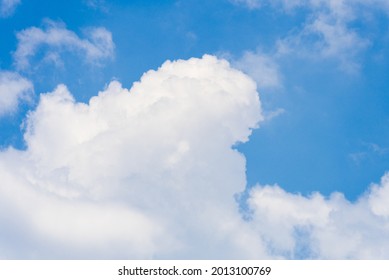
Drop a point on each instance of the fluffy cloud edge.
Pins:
(316, 227)
(13, 89)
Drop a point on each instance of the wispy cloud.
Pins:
(261, 67)
(328, 31)
(100, 5)
(251, 4)
(327, 34)
(13, 89)
(368, 151)
(55, 39)
(8, 7)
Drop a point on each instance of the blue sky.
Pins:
(320, 69)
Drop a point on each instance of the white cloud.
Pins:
(379, 198)
(261, 67)
(7, 7)
(55, 39)
(328, 30)
(150, 173)
(139, 173)
(13, 88)
(316, 227)
(327, 34)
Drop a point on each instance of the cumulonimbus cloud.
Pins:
(150, 172)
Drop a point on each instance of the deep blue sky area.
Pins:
(331, 70)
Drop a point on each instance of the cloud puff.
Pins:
(8, 7)
(13, 88)
(55, 39)
(327, 228)
(140, 173)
